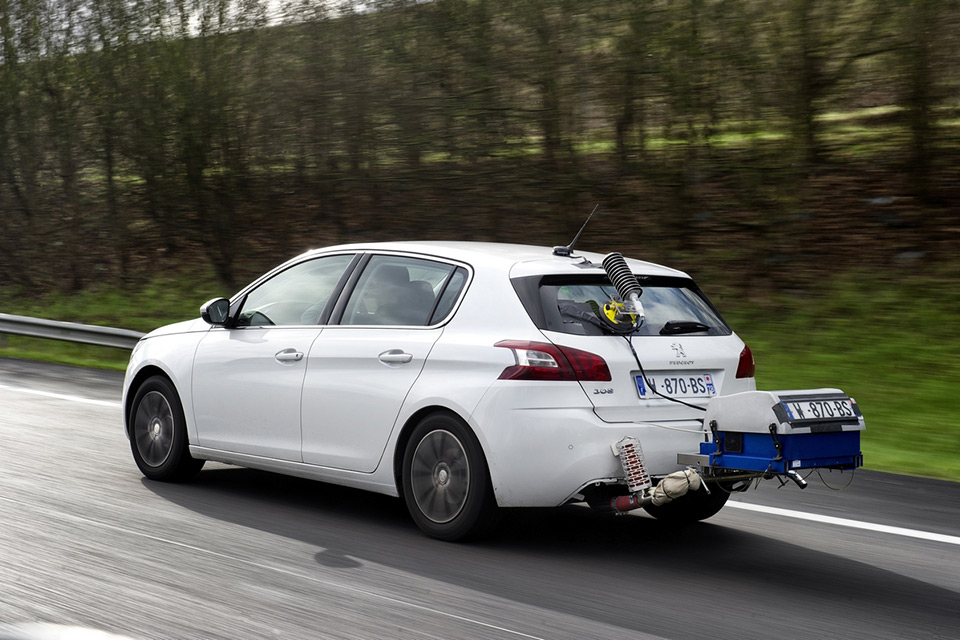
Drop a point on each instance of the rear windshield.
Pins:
(574, 305)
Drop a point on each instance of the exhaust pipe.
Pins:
(642, 492)
(622, 504)
(793, 475)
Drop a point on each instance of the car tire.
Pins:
(158, 433)
(446, 483)
(693, 507)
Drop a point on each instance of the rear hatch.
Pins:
(682, 355)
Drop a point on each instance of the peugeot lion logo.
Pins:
(678, 348)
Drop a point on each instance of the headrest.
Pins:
(393, 274)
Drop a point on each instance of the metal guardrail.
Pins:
(68, 331)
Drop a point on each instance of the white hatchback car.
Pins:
(462, 377)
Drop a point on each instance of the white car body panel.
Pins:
(378, 482)
(245, 400)
(346, 425)
(170, 350)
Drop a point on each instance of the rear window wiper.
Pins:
(676, 327)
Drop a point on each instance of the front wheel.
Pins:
(158, 433)
(692, 507)
(446, 484)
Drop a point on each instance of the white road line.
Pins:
(61, 396)
(843, 522)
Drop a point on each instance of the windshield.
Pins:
(672, 306)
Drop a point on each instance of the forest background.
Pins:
(800, 158)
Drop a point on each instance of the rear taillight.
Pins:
(545, 361)
(746, 367)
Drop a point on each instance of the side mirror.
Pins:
(215, 311)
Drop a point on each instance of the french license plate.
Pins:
(689, 384)
(823, 409)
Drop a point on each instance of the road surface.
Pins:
(85, 540)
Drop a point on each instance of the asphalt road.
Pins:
(85, 540)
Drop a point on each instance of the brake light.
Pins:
(545, 361)
(746, 368)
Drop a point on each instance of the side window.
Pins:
(449, 296)
(395, 290)
(295, 296)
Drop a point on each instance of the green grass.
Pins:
(859, 113)
(892, 345)
(165, 299)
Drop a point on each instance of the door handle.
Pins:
(395, 356)
(289, 355)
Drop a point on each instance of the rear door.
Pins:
(360, 370)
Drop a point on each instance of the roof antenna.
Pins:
(568, 250)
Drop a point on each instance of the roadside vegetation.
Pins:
(747, 136)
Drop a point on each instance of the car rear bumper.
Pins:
(544, 446)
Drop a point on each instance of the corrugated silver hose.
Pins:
(626, 285)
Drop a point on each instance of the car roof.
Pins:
(518, 260)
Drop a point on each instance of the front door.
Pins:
(246, 387)
(248, 379)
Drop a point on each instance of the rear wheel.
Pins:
(692, 507)
(446, 484)
(158, 433)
